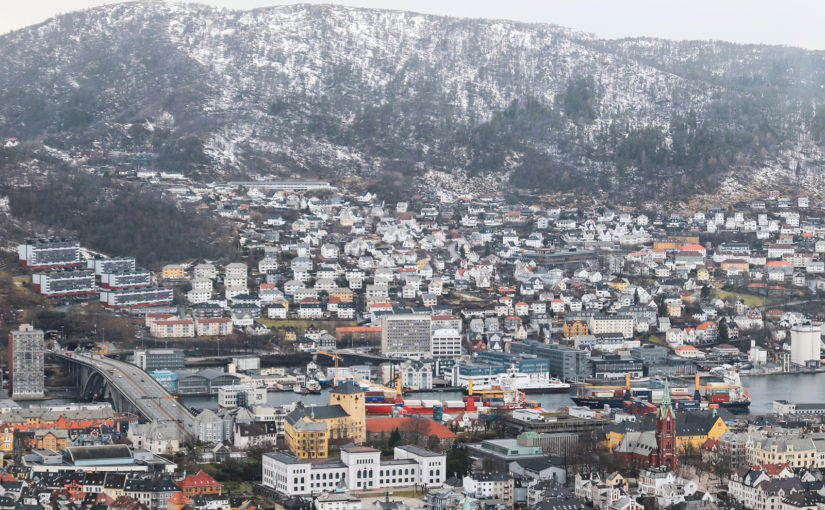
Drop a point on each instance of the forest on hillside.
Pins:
(122, 219)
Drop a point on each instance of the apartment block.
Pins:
(47, 253)
(405, 336)
(213, 327)
(175, 328)
(26, 362)
(131, 298)
(64, 283)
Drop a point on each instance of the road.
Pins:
(152, 399)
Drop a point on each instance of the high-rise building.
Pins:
(26, 352)
(405, 336)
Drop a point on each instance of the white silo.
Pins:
(805, 343)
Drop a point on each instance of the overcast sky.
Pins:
(790, 22)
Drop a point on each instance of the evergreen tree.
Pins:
(394, 439)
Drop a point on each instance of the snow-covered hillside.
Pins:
(335, 90)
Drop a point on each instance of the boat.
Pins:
(727, 393)
(524, 384)
(313, 387)
(618, 396)
(386, 403)
(297, 388)
(314, 372)
(613, 396)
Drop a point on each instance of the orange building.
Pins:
(419, 426)
(199, 483)
(55, 439)
(666, 244)
(575, 328)
(738, 264)
(177, 502)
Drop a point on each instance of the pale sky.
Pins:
(789, 22)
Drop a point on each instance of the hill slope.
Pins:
(327, 90)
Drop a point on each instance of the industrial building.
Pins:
(565, 362)
(26, 362)
(150, 360)
(47, 253)
(64, 283)
(241, 395)
(805, 345)
(206, 381)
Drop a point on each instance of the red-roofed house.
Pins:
(694, 247)
(423, 426)
(177, 502)
(707, 331)
(199, 483)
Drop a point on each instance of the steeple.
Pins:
(666, 407)
(666, 454)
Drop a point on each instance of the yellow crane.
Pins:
(713, 386)
(335, 356)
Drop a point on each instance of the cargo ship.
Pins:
(524, 384)
(392, 403)
(727, 393)
(616, 396)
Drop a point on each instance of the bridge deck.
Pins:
(147, 396)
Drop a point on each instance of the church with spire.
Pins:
(642, 449)
(665, 453)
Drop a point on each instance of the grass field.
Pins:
(656, 340)
(301, 325)
(748, 299)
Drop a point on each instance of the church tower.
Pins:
(350, 397)
(666, 454)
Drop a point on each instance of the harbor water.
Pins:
(763, 389)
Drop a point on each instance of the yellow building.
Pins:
(305, 437)
(6, 439)
(795, 451)
(345, 295)
(617, 283)
(674, 243)
(173, 271)
(674, 309)
(666, 244)
(692, 430)
(56, 439)
(575, 328)
(737, 264)
(308, 431)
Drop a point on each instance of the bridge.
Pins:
(129, 388)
